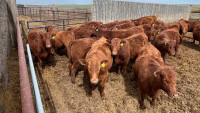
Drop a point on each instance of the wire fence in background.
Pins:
(110, 10)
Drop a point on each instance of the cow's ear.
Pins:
(122, 43)
(103, 63)
(156, 73)
(97, 29)
(82, 61)
(42, 36)
(166, 42)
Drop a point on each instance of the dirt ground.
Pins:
(122, 93)
(10, 98)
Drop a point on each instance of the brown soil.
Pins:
(122, 93)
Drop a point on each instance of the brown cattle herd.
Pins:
(144, 43)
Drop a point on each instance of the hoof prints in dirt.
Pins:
(122, 92)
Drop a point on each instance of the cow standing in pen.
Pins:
(97, 63)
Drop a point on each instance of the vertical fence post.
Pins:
(28, 25)
(63, 25)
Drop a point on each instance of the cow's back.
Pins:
(136, 42)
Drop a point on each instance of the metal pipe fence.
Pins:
(42, 13)
(26, 95)
(86, 19)
(38, 100)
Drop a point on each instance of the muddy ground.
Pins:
(122, 93)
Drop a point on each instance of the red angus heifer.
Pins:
(126, 49)
(97, 63)
(63, 38)
(123, 33)
(78, 50)
(122, 51)
(153, 76)
(196, 34)
(126, 25)
(167, 42)
(108, 26)
(92, 25)
(145, 20)
(40, 45)
(82, 32)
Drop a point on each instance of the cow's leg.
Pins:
(102, 85)
(48, 60)
(164, 56)
(74, 69)
(193, 40)
(119, 69)
(199, 43)
(91, 88)
(153, 102)
(70, 68)
(176, 50)
(124, 69)
(40, 64)
(142, 106)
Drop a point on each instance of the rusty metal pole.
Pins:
(26, 95)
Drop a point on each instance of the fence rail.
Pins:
(45, 13)
(63, 22)
(110, 10)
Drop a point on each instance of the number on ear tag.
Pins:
(53, 37)
(103, 64)
(122, 44)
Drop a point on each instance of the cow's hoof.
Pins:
(103, 98)
(73, 81)
(153, 103)
(142, 107)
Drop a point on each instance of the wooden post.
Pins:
(24, 33)
(24, 29)
(40, 13)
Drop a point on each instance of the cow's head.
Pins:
(48, 28)
(94, 67)
(169, 46)
(116, 44)
(167, 78)
(47, 39)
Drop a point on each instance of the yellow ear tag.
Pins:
(97, 29)
(53, 37)
(158, 32)
(122, 44)
(103, 64)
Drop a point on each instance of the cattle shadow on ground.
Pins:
(61, 51)
(85, 85)
(46, 93)
(190, 44)
(130, 82)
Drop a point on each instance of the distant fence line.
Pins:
(110, 10)
(45, 13)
